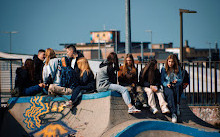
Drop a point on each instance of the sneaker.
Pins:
(178, 109)
(154, 110)
(174, 118)
(165, 110)
(133, 110)
(145, 106)
(68, 104)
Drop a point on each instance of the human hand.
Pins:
(42, 85)
(174, 81)
(154, 88)
(168, 85)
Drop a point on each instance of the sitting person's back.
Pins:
(24, 80)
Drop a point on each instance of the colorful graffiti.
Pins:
(32, 114)
(55, 129)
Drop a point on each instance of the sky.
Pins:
(45, 24)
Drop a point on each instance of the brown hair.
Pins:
(29, 66)
(150, 70)
(83, 66)
(50, 53)
(175, 66)
(125, 66)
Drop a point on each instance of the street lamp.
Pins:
(10, 37)
(150, 40)
(181, 11)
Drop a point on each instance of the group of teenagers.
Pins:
(47, 74)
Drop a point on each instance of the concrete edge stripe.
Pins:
(65, 97)
(139, 127)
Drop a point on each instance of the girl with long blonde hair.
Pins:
(50, 69)
(86, 81)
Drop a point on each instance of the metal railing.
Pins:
(204, 86)
(7, 78)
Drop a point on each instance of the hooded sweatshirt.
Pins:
(106, 76)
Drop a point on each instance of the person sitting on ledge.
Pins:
(86, 82)
(107, 79)
(128, 77)
(24, 81)
(149, 81)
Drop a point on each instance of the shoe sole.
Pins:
(134, 112)
(166, 112)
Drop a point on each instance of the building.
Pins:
(104, 42)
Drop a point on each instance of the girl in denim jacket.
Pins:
(171, 79)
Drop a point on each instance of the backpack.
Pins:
(185, 76)
(68, 77)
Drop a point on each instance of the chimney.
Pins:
(186, 43)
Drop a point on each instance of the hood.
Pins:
(37, 60)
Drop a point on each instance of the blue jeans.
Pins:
(123, 90)
(33, 90)
(172, 98)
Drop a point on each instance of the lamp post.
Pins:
(128, 27)
(150, 40)
(10, 37)
(181, 11)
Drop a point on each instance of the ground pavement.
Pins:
(99, 114)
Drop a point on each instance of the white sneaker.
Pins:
(154, 110)
(133, 110)
(68, 104)
(165, 110)
(145, 105)
(178, 109)
(174, 118)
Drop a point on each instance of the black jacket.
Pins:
(22, 79)
(87, 81)
(143, 79)
(38, 67)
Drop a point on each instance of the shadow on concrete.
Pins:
(9, 127)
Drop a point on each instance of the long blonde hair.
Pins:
(125, 66)
(83, 66)
(49, 53)
(175, 66)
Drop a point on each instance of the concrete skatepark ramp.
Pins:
(99, 114)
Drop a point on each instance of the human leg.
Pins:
(33, 90)
(140, 96)
(162, 102)
(125, 96)
(151, 99)
(55, 89)
(169, 95)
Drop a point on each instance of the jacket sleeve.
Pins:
(120, 75)
(179, 77)
(164, 81)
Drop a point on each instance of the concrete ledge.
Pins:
(209, 114)
(139, 127)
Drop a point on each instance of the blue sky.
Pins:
(47, 23)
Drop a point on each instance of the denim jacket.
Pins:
(165, 79)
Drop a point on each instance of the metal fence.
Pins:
(204, 87)
(7, 78)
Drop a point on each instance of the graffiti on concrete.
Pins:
(54, 129)
(32, 114)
